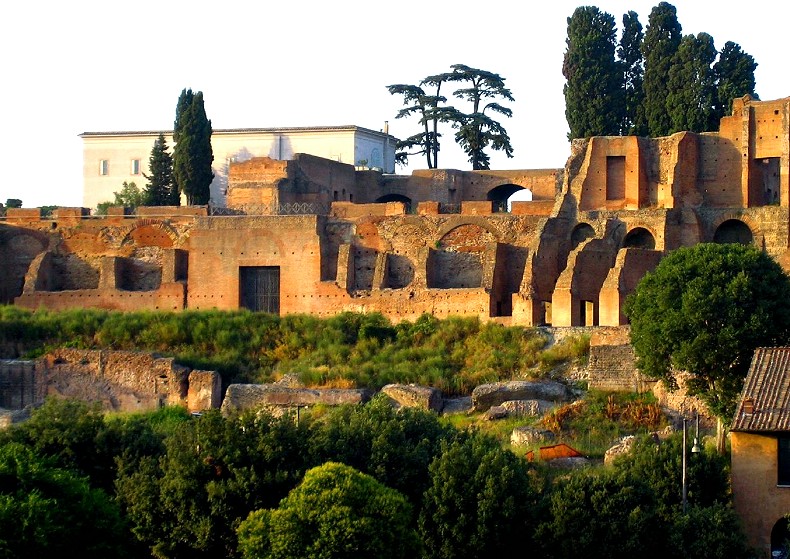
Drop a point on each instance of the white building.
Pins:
(110, 158)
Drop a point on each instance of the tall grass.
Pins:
(349, 349)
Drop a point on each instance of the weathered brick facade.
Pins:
(316, 236)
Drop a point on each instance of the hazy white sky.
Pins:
(71, 67)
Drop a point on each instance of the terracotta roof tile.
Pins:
(764, 404)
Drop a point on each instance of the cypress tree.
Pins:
(192, 156)
(161, 190)
(661, 42)
(691, 88)
(734, 74)
(629, 55)
(594, 95)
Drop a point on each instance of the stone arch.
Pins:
(149, 231)
(639, 237)
(726, 216)
(780, 536)
(499, 196)
(17, 252)
(581, 233)
(480, 222)
(733, 231)
(395, 198)
(457, 261)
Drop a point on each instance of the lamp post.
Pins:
(695, 449)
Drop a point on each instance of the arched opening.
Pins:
(396, 198)
(639, 237)
(581, 233)
(457, 261)
(500, 196)
(400, 271)
(733, 231)
(780, 540)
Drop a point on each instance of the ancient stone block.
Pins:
(494, 394)
(239, 397)
(414, 396)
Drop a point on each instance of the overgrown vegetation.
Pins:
(347, 350)
(168, 485)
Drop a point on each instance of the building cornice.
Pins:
(239, 131)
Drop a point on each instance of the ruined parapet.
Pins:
(240, 397)
(119, 380)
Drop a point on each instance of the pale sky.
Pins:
(77, 66)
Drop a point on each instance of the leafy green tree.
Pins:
(659, 467)
(708, 533)
(214, 473)
(336, 512)
(13, 203)
(192, 156)
(476, 130)
(46, 211)
(704, 310)
(692, 90)
(161, 190)
(46, 511)
(734, 74)
(130, 196)
(594, 94)
(479, 503)
(394, 446)
(631, 59)
(66, 432)
(661, 42)
(427, 107)
(594, 516)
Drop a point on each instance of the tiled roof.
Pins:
(764, 404)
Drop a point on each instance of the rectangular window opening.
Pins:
(135, 166)
(783, 460)
(615, 177)
(104, 167)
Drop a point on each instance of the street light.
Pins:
(696, 449)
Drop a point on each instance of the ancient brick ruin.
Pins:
(126, 381)
(316, 236)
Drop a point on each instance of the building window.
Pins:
(135, 166)
(104, 167)
(783, 460)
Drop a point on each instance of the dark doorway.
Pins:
(499, 196)
(780, 539)
(733, 231)
(259, 288)
(769, 168)
(396, 198)
(639, 238)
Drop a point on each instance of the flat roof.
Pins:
(231, 131)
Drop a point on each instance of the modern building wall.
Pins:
(757, 499)
(123, 153)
